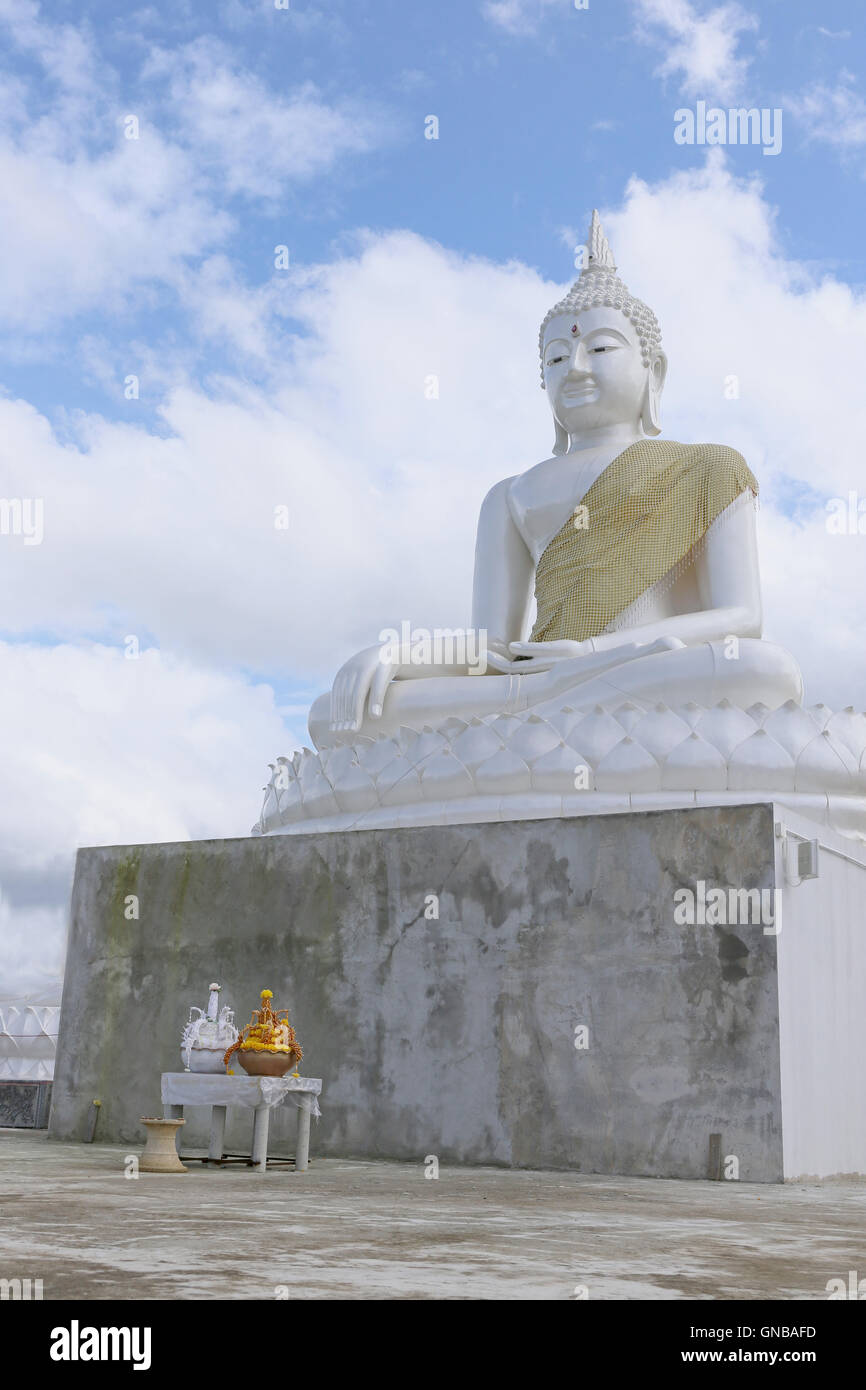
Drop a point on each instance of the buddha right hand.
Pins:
(367, 674)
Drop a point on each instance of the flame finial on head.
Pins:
(599, 254)
(598, 284)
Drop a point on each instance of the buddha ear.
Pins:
(650, 412)
(560, 438)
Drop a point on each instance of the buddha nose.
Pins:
(579, 361)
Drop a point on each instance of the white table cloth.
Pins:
(214, 1088)
(257, 1093)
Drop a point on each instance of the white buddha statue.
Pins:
(644, 682)
(642, 552)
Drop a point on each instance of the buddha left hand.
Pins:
(595, 654)
(538, 656)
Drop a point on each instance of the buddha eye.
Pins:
(551, 361)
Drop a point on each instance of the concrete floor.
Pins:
(351, 1230)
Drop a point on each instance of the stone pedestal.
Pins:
(522, 993)
(160, 1153)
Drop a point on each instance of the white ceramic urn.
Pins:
(208, 1035)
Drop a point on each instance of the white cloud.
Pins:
(33, 946)
(701, 48)
(833, 114)
(113, 751)
(253, 138)
(519, 16)
(174, 537)
(97, 231)
(93, 219)
(64, 51)
(701, 45)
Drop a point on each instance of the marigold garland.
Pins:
(267, 1031)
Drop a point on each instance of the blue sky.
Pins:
(304, 388)
(540, 119)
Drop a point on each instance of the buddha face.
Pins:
(594, 372)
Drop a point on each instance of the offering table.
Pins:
(257, 1093)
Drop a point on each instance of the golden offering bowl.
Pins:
(256, 1063)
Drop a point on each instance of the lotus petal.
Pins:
(791, 726)
(849, 728)
(444, 776)
(627, 716)
(759, 763)
(694, 765)
(660, 730)
(595, 735)
(628, 767)
(424, 745)
(556, 771)
(378, 755)
(502, 774)
(725, 726)
(398, 784)
(356, 790)
(821, 715)
(477, 743)
(824, 766)
(535, 738)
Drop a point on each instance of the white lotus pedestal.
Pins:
(564, 762)
(258, 1093)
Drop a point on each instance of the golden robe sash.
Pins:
(640, 521)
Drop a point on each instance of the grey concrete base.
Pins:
(451, 1036)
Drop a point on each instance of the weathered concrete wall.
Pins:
(452, 1037)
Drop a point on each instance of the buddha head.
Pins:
(601, 358)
